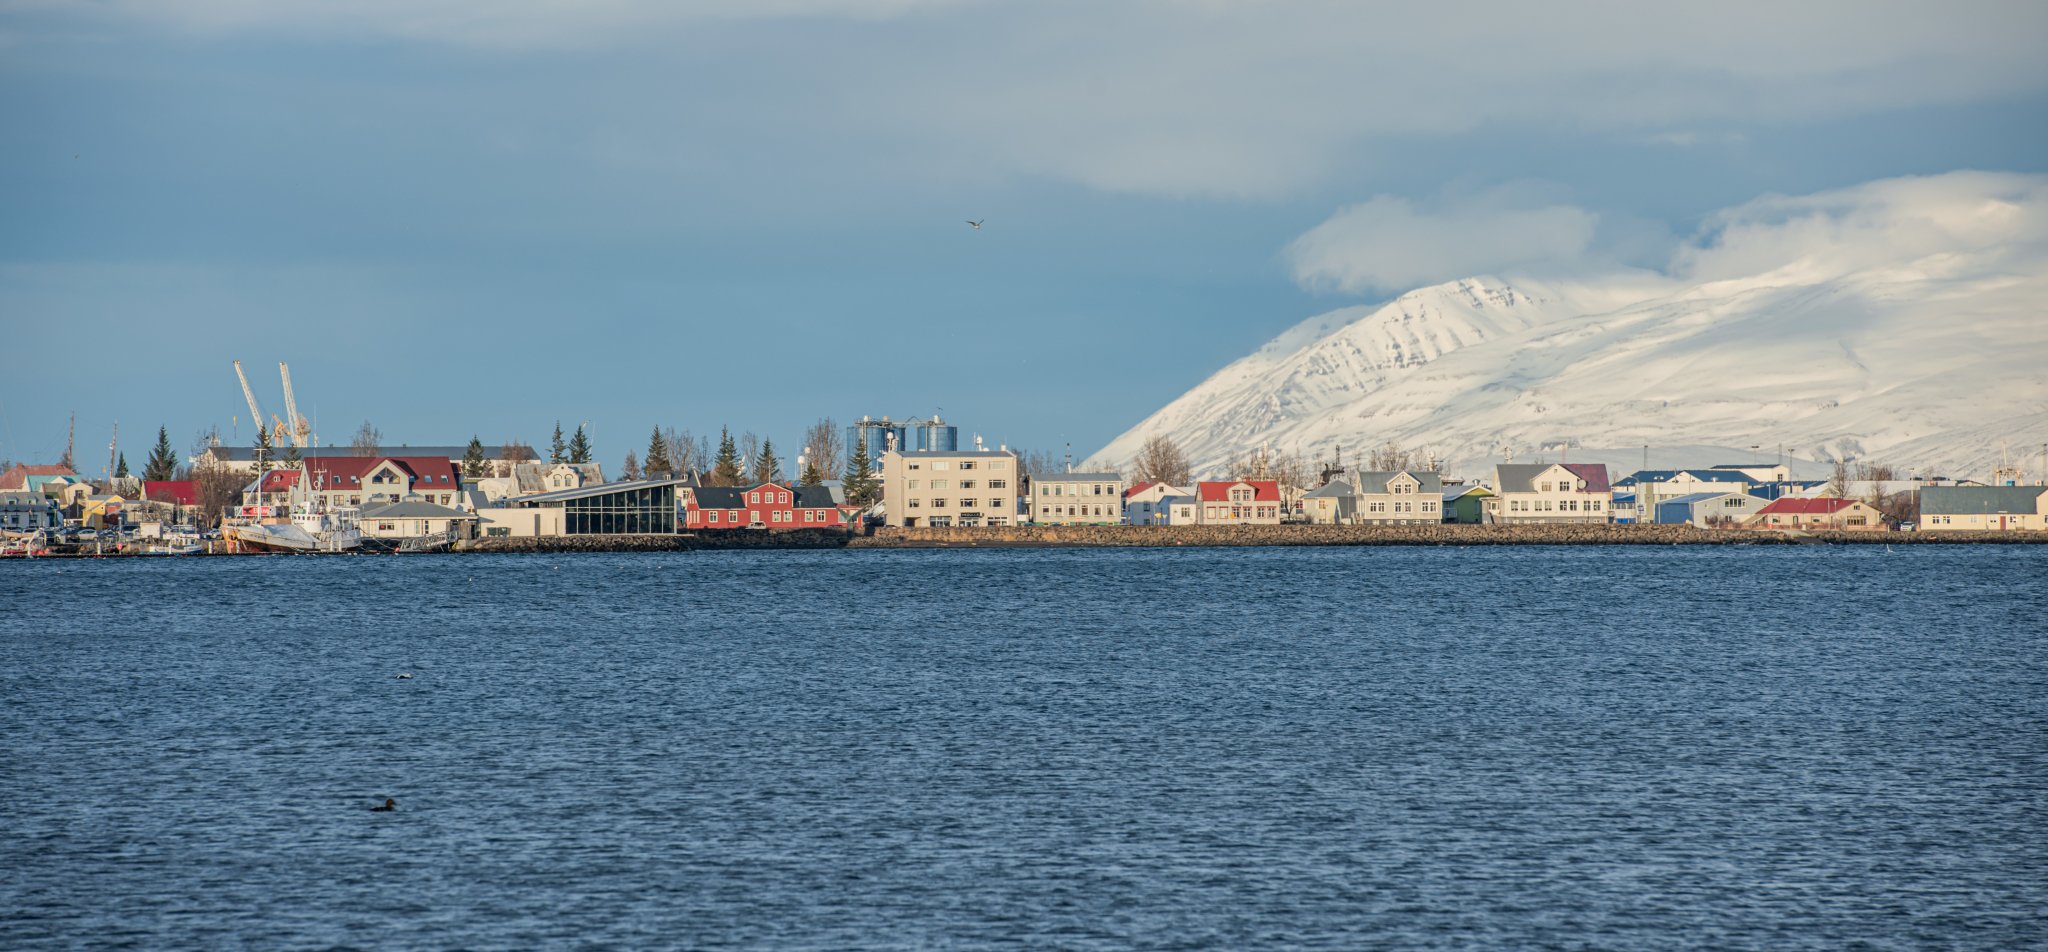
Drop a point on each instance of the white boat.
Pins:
(307, 532)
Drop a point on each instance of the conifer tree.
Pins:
(557, 452)
(121, 470)
(657, 460)
(811, 476)
(726, 470)
(262, 450)
(473, 458)
(767, 468)
(163, 462)
(291, 457)
(579, 447)
(860, 477)
(632, 468)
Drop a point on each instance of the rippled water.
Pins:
(1573, 748)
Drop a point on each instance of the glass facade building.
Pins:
(631, 509)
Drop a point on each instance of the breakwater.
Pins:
(1215, 536)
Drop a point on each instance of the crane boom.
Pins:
(297, 424)
(255, 414)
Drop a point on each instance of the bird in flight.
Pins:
(977, 224)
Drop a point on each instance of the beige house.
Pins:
(509, 521)
(1826, 512)
(1552, 492)
(1398, 498)
(412, 518)
(951, 488)
(1076, 499)
(1966, 508)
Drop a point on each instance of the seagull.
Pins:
(404, 677)
(977, 224)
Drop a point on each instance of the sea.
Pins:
(1582, 748)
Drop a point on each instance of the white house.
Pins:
(1158, 504)
(1553, 492)
(1077, 498)
(1399, 498)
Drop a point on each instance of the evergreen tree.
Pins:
(163, 462)
(262, 450)
(121, 470)
(291, 457)
(811, 475)
(657, 460)
(726, 471)
(860, 477)
(767, 468)
(579, 447)
(557, 451)
(473, 458)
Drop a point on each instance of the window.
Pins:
(807, 515)
(998, 484)
(1098, 489)
(938, 504)
(939, 465)
(914, 503)
(996, 464)
(967, 503)
(938, 484)
(967, 484)
(714, 515)
(913, 466)
(966, 465)
(1596, 505)
(1546, 487)
(754, 497)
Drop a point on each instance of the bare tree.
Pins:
(631, 470)
(1160, 461)
(750, 449)
(366, 441)
(1838, 484)
(1389, 459)
(825, 444)
(215, 487)
(1039, 461)
(687, 453)
(517, 452)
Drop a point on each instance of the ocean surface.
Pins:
(1491, 748)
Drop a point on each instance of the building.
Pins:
(412, 518)
(1826, 512)
(1331, 504)
(766, 506)
(1400, 498)
(338, 482)
(641, 507)
(941, 488)
(22, 477)
(1076, 499)
(527, 479)
(1552, 492)
(1709, 509)
(28, 511)
(242, 459)
(1651, 486)
(908, 436)
(1158, 504)
(1469, 505)
(1240, 502)
(1963, 508)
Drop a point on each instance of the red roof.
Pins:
(184, 492)
(1825, 506)
(17, 477)
(1264, 490)
(1595, 475)
(1138, 488)
(337, 473)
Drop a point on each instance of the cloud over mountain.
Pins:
(1899, 319)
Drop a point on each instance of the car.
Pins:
(87, 535)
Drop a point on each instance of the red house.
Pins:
(1244, 502)
(766, 506)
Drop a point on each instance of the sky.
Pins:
(474, 218)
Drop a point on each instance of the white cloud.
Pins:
(1211, 98)
(1386, 245)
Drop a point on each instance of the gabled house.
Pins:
(1552, 492)
(1962, 508)
(1158, 504)
(764, 506)
(27, 511)
(1333, 503)
(1400, 498)
(1710, 509)
(1239, 502)
(1469, 505)
(1651, 486)
(1826, 512)
(24, 477)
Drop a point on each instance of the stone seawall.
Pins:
(1154, 536)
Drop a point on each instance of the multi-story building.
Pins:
(1158, 504)
(1076, 499)
(28, 511)
(1399, 498)
(242, 459)
(337, 482)
(951, 488)
(1649, 487)
(765, 506)
(1239, 502)
(1552, 492)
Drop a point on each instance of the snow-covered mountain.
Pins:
(1903, 321)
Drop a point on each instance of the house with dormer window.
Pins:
(765, 506)
(1553, 492)
(1239, 502)
(1399, 498)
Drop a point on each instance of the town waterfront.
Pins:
(1710, 747)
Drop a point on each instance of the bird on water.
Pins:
(389, 805)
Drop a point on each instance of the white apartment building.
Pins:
(1077, 499)
(948, 488)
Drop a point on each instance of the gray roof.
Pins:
(1691, 498)
(921, 454)
(1969, 500)
(1074, 477)
(414, 510)
(595, 489)
(1459, 492)
(1375, 484)
(246, 453)
(1333, 489)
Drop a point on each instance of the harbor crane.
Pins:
(255, 414)
(300, 431)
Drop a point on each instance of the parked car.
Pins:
(87, 535)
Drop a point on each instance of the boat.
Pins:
(307, 532)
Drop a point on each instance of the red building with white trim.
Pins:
(1244, 502)
(766, 506)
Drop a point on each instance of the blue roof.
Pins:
(1666, 475)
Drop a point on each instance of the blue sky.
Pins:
(479, 218)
